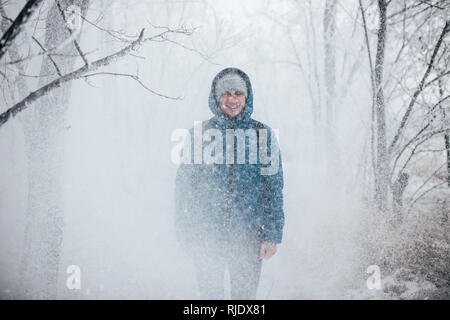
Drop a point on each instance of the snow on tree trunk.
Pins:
(45, 129)
(329, 32)
(382, 162)
(446, 123)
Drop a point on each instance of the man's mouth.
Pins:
(232, 107)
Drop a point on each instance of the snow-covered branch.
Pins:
(33, 96)
(17, 25)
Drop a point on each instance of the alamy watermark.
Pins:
(73, 281)
(374, 281)
(207, 147)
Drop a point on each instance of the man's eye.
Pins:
(238, 93)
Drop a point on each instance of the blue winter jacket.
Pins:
(213, 199)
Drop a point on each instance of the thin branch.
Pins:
(134, 77)
(82, 55)
(437, 78)
(35, 76)
(109, 31)
(424, 193)
(47, 53)
(50, 57)
(52, 51)
(412, 7)
(405, 147)
(188, 48)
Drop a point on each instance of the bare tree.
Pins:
(382, 164)
(329, 31)
(45, 140)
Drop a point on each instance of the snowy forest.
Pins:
(92, 91)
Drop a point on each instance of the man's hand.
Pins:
(268, 249)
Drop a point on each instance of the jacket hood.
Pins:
(214, 105)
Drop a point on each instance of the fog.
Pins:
(118, 176)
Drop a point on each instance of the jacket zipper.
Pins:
(229, 198)
(230, 190)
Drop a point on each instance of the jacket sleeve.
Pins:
(273, 201)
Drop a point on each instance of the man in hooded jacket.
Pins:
(230, 213)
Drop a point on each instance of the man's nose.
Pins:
(232, 98)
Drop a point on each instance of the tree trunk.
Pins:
(382, 165)
(447, 148)
(329, 31)
(44, 131)
(446, 123)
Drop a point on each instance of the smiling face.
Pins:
(232, 102)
